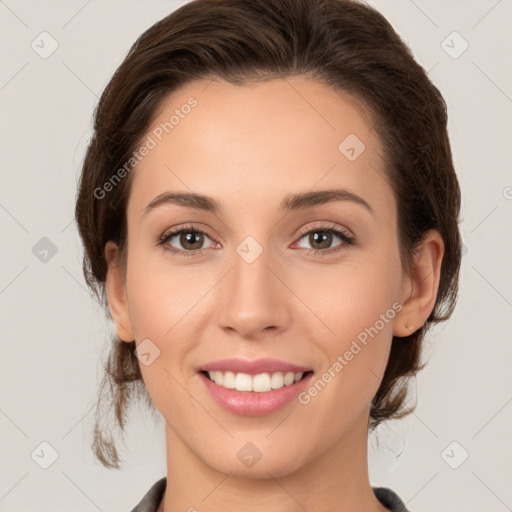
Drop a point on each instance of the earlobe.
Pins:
(420, 289)
(116, 293)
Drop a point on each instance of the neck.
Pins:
(335, 480)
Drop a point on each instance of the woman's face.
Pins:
(263, 281)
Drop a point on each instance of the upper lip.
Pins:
(254, 367)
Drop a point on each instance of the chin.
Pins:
(274, 464)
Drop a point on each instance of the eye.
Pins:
(321, 238)
(190, 238)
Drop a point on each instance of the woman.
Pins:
(269, 212)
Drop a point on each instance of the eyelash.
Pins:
(328, 228)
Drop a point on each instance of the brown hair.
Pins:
(342, 43)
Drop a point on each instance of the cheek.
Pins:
(162, 295)
(164, 310)
(357, 305)
(169, 305)
(352, 297)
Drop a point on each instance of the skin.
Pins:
(245, 147)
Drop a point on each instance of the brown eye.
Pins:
(321, 240)
(191, 240)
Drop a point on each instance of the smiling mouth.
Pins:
(259, 383)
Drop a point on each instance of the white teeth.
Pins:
(289, 379)
(228, 380)
(243, 382)
(259, 383)
(277, 380)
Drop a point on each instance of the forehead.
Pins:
(249, 145)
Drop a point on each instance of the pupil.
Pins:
(188, 238)
(325, 238)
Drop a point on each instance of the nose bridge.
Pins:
(251, 266)
(252, 296)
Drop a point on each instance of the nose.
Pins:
(252, 300)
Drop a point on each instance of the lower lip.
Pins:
(252, 403)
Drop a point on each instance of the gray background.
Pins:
(54, 334)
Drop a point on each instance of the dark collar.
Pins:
(153, 497)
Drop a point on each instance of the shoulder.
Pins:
(389, 499)
(152, 498)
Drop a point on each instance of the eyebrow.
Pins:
(290, 202)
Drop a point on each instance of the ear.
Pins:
(116, 292)
(419, 291)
